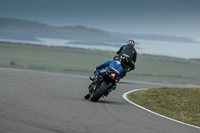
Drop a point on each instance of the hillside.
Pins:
(170, 38)
(11, 28)
(28, 30)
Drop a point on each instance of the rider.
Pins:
(131, 54)
(115, 66)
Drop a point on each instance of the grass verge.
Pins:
(67, 60)
(182, 104)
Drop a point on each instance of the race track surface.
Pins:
(39, 102)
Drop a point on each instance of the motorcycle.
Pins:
(101, 87)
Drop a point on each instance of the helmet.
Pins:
(131, 42)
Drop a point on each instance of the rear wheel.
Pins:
(102, 89)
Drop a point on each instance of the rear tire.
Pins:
(102, 89)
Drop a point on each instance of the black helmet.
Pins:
(131, 42)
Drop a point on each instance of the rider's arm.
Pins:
(105, 64)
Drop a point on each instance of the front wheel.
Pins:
(102, 89)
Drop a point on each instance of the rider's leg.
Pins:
(99, 72)
(131, 64)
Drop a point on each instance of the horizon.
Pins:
(174, 17)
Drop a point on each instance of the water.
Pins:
(172, 49)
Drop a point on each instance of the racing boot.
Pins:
(95, 79)
(107, 92)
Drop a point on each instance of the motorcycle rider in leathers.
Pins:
(131, 54)
(115, 66)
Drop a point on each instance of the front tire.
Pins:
(102, 89)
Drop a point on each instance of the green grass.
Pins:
(54, 59)
(82, 62)
(167, 69)
(182, 104)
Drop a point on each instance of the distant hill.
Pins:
(171, 38)
(11, 28)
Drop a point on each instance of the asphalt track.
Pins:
(39, 102)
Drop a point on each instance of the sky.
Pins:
(180, 18)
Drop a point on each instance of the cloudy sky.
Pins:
(163, 17)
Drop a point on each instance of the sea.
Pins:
(162, 48)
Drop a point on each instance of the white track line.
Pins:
(126, 98)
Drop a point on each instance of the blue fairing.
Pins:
(115, 66)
